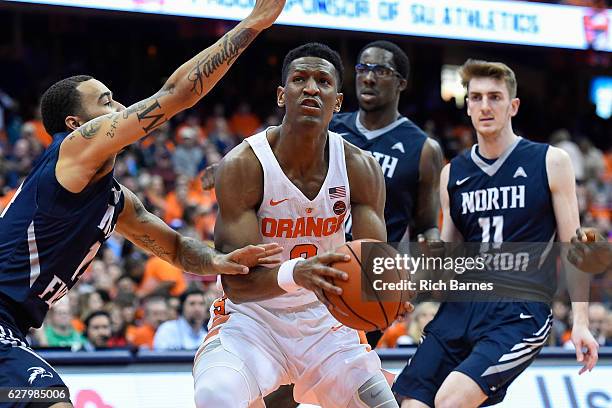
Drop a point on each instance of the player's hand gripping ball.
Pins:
(351, 308)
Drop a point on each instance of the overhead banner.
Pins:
(511, 22)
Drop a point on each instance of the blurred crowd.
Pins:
(130, 299)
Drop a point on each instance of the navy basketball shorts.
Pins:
(490, 342)
(21, 368)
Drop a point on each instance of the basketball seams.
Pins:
(384, 312)
(350, 309)
(401, 302)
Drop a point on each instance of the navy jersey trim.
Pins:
(491, 169)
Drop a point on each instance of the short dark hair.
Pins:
(314, 50)
(59, 101)
(194, 290)
(93, 315)
(400, 59)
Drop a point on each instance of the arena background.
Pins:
(562, 57)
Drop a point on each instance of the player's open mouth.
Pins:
(311, 103)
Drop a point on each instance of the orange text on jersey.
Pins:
(301, 227)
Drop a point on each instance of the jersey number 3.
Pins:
(304, 251)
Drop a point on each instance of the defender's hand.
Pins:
(265, 13)
(583, 339)
(311, 274)
(238, 261)
(590, 252)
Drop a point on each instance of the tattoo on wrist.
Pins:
(228, 51)
(194, 256)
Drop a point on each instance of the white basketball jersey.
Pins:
(301, 226)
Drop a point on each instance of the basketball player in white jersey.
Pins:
(293, 184)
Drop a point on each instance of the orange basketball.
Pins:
(351, 308)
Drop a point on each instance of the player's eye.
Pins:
(109, 103)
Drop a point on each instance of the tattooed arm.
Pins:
(152, 235)
(90, 149)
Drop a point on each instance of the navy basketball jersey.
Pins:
(508, 200)
(397, 147)
(48, 237)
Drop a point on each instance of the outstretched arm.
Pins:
(89, 147)
(151, 234)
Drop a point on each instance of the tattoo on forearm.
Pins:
(135, 108)
(153, 246)
(90, 129)
(194, 256)
(141, 211)
(151, 121)
(143, 108)
(228, 51)
(113, 127)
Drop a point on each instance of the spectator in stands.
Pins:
(174, 304)
(409, 332)
(97, 331)
(188, 153)
(125, 284)
(90, 302)
(243, 122)
(188, 331)
(560, 324)
(127, 304)
(221, 136)
(6, 103)
(118, 326)
(161, 278)
(608, 329)
(155, 313)
(598, 314)
(423, 314)
(58, 328)
(155, 195)
(158, 144)
(562, 139)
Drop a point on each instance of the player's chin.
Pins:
(310, 119)
(488, 130)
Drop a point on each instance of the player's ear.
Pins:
(339, 100)
(72, 122)
(403, 83)
(467, 105)
(514, 106)
(280, 97)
